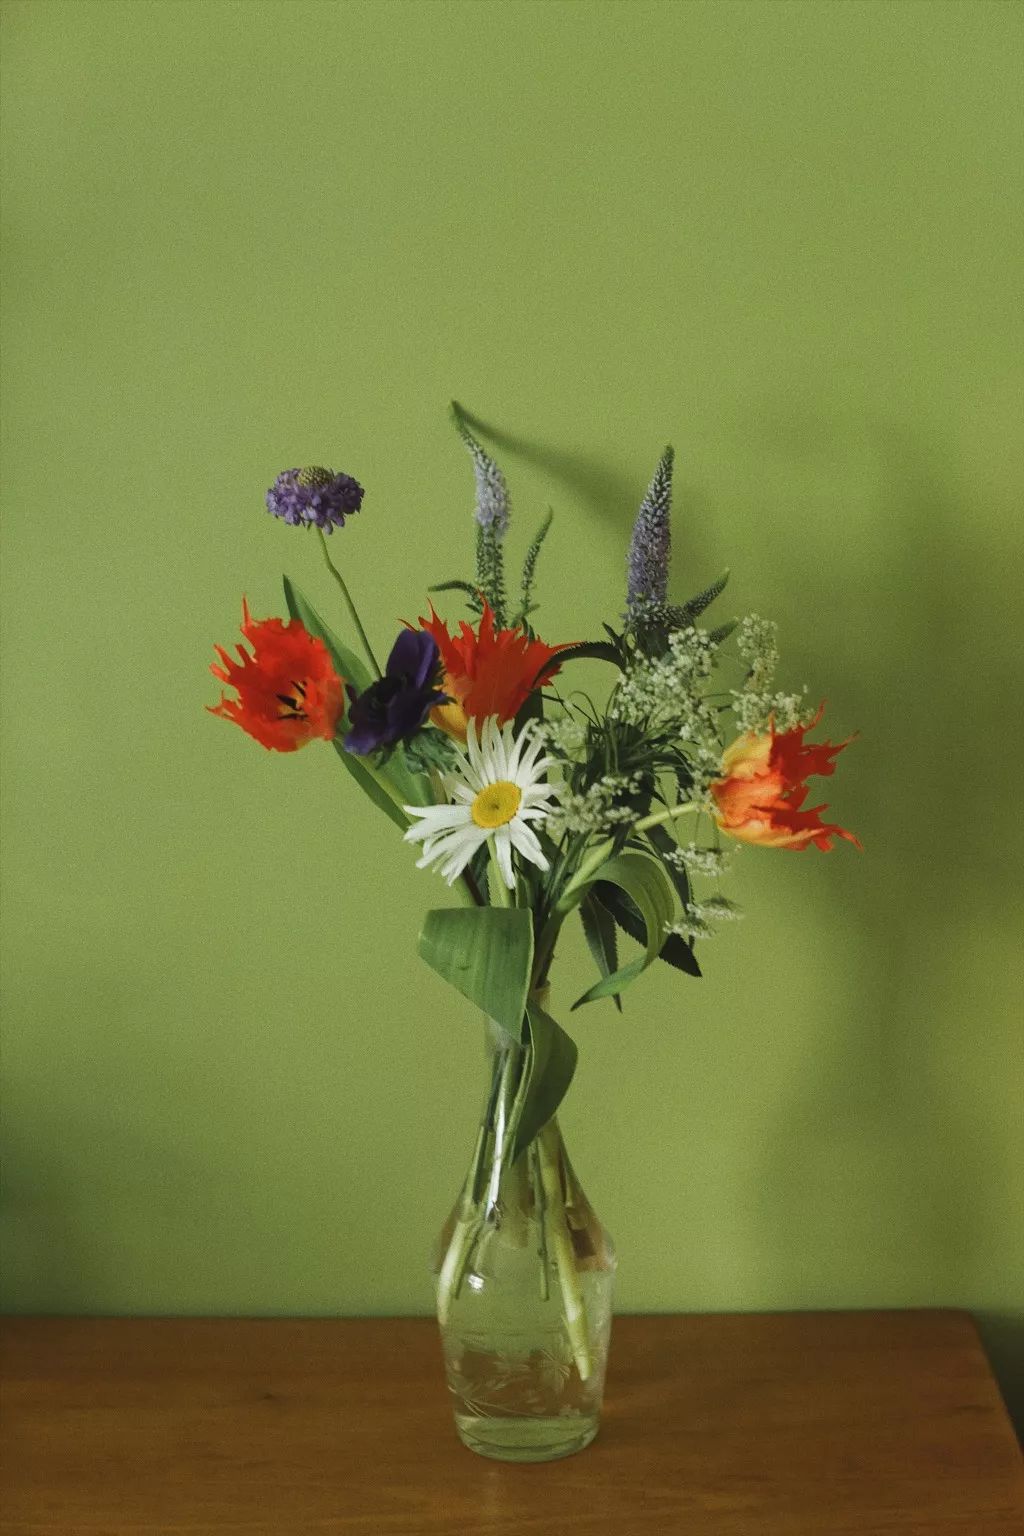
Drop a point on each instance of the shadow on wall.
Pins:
(885, 1169)
(40, 1228)
(129, 1184)
(91, 1198)
(597, 481)
(62, 1208)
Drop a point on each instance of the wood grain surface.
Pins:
(821, 1424)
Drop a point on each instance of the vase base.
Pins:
(526, 1439)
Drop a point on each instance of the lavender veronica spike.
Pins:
(651, 543)
(492, 498)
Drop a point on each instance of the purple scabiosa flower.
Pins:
(651, 543)
(395, 706)
(314, 497)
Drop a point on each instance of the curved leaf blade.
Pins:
(646, 884)
(552, 1064)
(599, 931)
(663, 842)
(410, 788)
(599, 650)
(371, 788)
(675, 951)
(346, 662)
(458, 586)
(486, 953)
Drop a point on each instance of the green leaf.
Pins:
(429, 751)
(531, 709)
(485, 953)
(345, 661)
(490, 571)
(459, 586)
(530, 566)
(646, 884)
(552, 1063)
(409, 787)
(412, 787)
(675, 951)
(696, 605)
(654, 623)
(359, 770)
(664, 842)
(600, 650)
(599, 929)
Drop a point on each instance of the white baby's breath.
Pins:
(699, 861)
(699, 918)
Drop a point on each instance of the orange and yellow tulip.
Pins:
(760, 795)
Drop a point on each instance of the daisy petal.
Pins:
(503, 854)
(437, 818)
(527, 843)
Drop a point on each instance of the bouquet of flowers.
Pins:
(537, 805)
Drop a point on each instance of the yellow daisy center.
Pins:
(496, 804)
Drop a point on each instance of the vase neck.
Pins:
(510, 1061)
(499, 1177)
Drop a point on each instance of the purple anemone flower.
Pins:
(314, 497)
(395, 706)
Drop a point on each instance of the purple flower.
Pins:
(314, 497)
(651, 544)
(492, 498)
(395, 706)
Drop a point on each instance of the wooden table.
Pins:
(857, 1424)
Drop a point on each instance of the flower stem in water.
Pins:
(561, 1243)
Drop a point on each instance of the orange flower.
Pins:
(759, 799)
(288, 690)
(488, 671)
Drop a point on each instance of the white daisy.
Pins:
(496, 789)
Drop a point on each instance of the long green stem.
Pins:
(659, 818)
(469, 890)
(544, 949)
(541, 1204)
(339, 578)
(583, 876)
(479, 1207)
(590, 866)
(449, 1282)
(505, 897)
(560, 1243)
(504, 1124)
(382, 781)
(476, 1206)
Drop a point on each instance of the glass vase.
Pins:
(524, 1287)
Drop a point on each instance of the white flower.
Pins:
(497, 787)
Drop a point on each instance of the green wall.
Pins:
(241, 236)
